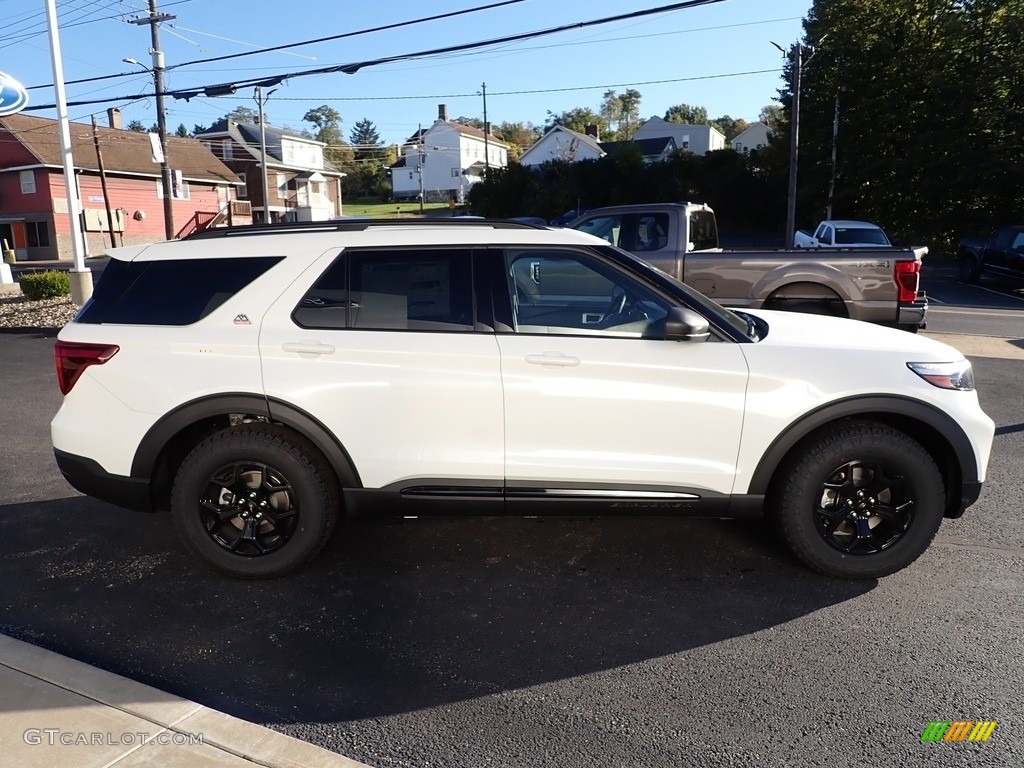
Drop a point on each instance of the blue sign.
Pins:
(13, 96)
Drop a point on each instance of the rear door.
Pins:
(384, 347)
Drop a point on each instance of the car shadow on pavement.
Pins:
(394, 616)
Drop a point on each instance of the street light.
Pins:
(157, 70)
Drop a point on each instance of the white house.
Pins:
(561, 143)
(444, 160)
(754, 136)
(699, 139)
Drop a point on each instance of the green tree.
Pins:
(182, 131)
(622, 111)
(246, 115)
(137, 126)
(577, 120)
(773, 116)
(687, 115)
(519, 137)
(327, 122)
(929, 143)
(366, 140)
(731, 127)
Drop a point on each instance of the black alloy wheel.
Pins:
(858, 499)
(255, 501)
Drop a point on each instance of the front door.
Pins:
(595, 399)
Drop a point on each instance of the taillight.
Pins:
(72, 357)
(908, 277)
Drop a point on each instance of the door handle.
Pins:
(308, 347)
(553, 358)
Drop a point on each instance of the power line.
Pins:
(382, 28)
(353, 67)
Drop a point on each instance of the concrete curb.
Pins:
(42, 691)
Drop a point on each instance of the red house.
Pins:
(34, 217)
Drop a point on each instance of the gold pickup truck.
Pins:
(878, 285)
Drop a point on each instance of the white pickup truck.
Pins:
(842, 234)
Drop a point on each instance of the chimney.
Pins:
(442, 112)
(114, 117)
(593, 130)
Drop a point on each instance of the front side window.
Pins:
(564, 292)
(409, 290)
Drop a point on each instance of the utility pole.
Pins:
(487, 129)
(154, 20)
(422, 155)
(261, 101)
(794, 144)
(103, 182)
(832, 173)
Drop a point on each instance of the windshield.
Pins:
(868, 235)
(685, 295)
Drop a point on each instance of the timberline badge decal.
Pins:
(242, 319)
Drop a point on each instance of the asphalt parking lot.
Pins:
(524, 642)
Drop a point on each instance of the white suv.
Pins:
(260, 381)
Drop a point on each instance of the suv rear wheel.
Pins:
(254, 501)
(861, 500)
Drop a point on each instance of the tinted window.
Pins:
(871, 235)
(416, 290)
(169, 292)
(651, 232)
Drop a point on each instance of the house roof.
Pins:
(648, 147)
(247, 135)
(584, 138)
(123, 151)
(465, 130)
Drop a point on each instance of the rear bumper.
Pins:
(87, 476)
(914, 314)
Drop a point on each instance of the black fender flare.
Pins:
(854, 407)
(161, 433)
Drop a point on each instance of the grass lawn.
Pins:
(373, 207)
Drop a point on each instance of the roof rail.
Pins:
(351, 225)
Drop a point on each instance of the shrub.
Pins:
(45, 285)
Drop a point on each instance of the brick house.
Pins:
(301, 184)
(33, 197)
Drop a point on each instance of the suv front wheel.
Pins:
(254, 501)
(861, 500)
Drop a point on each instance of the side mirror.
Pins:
(683, 324)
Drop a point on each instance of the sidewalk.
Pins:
(56, 712)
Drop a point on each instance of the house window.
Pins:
(180, 191)
(456, 172)
(282, 185)
(410, 175)
(28, 182)
(37, 234)
(225, 147)
(243, 191)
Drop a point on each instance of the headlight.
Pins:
(946, 375)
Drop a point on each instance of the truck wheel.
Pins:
(970, 268)
(254, 501)
(860, 500)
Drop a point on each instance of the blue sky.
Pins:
(697, 54)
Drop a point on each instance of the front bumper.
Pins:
(87, 476)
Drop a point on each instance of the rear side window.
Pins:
(409, 290)
(169, 292)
